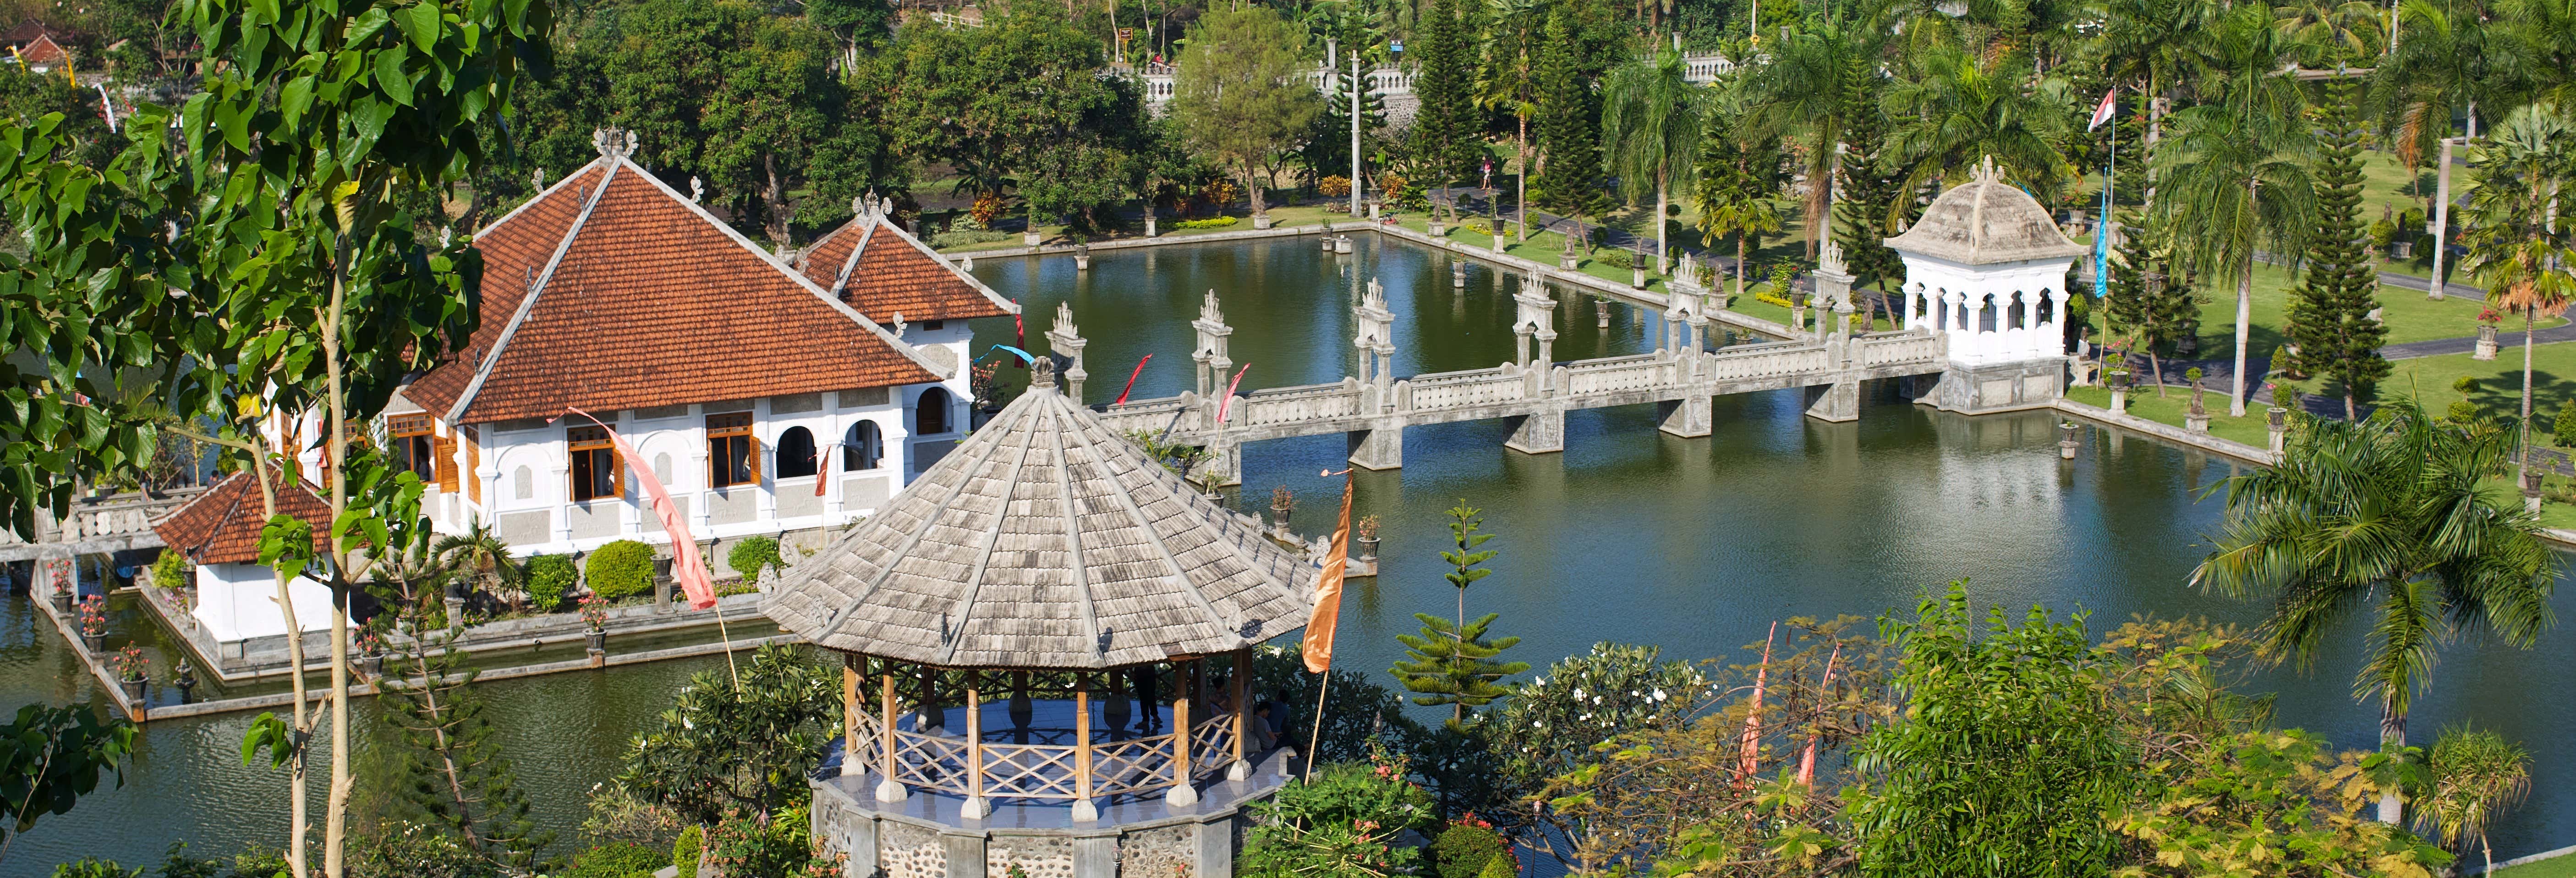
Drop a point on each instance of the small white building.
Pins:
(771, 396)
(236, 602)
(1986, 269)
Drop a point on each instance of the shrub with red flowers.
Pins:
(93, 616)
(594, 612)
(130, 664)
(1468, 847)
(987, 208)
(1345, 821)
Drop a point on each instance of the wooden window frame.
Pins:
(584, 447)
(413, 437)
(854, 451)
(726, 432)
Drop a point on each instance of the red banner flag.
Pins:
(1131, 379)
(687, 567)
(1748, 760)
(1228, 401)
(1318, 646)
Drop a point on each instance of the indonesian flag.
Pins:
(686, 567)
(2102, 113)
(1318, 647)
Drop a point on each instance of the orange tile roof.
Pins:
(643, 299)
(221, 526)
(897, 274)
(42, 51)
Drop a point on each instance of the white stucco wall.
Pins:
(239, 602)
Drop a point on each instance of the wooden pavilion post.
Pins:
(1083, 810)
(889, 789)
(851, 762)
(975, 808)
(1239, 691)
(1182, 794)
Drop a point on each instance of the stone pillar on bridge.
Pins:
(1064, 345)
(1212, 362)
(1833, 281)
(1839, 400)
(1381, 447)
(1537, 319)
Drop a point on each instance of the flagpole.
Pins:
(1315, 741)
(1328, 600)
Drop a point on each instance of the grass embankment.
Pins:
(2253, 429)
(2563, 866)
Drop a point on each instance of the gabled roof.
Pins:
(221, 526)
(882, 270)
(43, 50)
(25, 32)
(1046, 540)
(610, 291)
(1986, 221)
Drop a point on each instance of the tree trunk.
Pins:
(2156, 368)
(299, 821)
(1740, 245)
(774, 196)
(2392, 732)
(2522, 462)
(2244, 321)
(1663, 243)
(1254, 187)
(2351, 407)
(1520, 186)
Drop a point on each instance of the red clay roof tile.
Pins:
(221, 526)
(897, 275)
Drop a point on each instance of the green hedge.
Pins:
(618, 861)
(1214, 223)
(1465, 849)
(549, 578)
(619, 570)
(171, 569)
(685, 851)
(753, 555)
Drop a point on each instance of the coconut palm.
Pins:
(1508, 82)
(2516, 244)
(2383, 516)
(1738, 183)
(2451, 59)
(1961, 108)
(1806, 90)
(2332, 33)
(2236, 172)
(480, 557)
(1651, 118)
(2476, 775)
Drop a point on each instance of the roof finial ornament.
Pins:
(1042, 373)
(859, 206)
(697, 189)
(537, 180)
(613, 142)
(898, 325)
(1986, 172)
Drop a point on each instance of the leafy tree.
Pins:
(52, 756)
(1569, 141)
(2565, 426)
(2516, 240)
(26, 97)
(480, 556)
(2383, 517)
(1508, 81)
(1807, 91)
(2002, 760)
(1347, 819)
(1327, 150)
(1961, 107)
(2275, 803)
(1652, 118)
(1243, 98)
(747, 747)
(2329, 317)
(1019, 103)
(1452, 661)
(452, 774)
(2236, 173)
(753, 555)
(2476, 775)
(768, 844)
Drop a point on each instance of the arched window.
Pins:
(863, 447)
(2046, 309)
(796, 458)
(930, 412)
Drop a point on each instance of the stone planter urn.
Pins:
(1567, 259)
(2196, 420)
(2531, 491)
(2119, 381)
(371, 664)
(595, 640)
(1498, 236)
(187, 683)
(96, 643)
(1439, 229)
(1261, 222)
(2278, 420)
(133, 687)
(1082, 257)
(2066, 442)
(2486, 342)
(1458, 275)
(1030, 239)
(2402, 249)
(1342, 245)
(1601, 313)
(62, 601)
(1368, 548)
(1149, 224)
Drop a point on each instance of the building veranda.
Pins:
(1047, 646)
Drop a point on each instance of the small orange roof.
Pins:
(610, 290)
(884, 271)
(221, 526)
(43, 51)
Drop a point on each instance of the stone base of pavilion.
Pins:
(927, 835)
(1988, 387)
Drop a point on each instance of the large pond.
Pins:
(1694, 545)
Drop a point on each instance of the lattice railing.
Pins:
(1212, 744)
(1029, 771)
(930, 761)
(1131, 766)
(1045, 771)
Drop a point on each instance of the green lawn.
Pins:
(2253, 429)
(2554, 867)
(2410, 315)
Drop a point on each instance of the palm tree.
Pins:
(1509, 82)
(1961, 108)
(2475, 775)
(2332, 33)
(480, 557)
(2451, 59)
(2516, 245)
(2384, 514)
(2237, 168)
(1738, 184)
(1651, 118)
(1806, 88)
(2149, 45)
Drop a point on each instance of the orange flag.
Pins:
(1753, 719)
(1318, 647)
(686, 566)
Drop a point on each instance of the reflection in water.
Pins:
(1691, 544)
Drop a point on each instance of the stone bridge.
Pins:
(1533, 392)
(97, 524)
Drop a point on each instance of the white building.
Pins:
(1986, 269)
(768, 399)
(236, 600)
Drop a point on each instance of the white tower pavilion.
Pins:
(1986, 268)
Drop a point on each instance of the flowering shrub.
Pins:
(93, 616)
(1335, 186)
(988, 207)
(129, 664)
(594, 612)
(1468, 846)
(1210, 223)
(1343, 822)
(1215, 196)
(776, 845)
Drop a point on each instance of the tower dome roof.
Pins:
(1986, 221)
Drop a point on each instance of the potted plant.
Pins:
(93, 622)
(132, 672)
(1282, 502)
(2487, 320)
(594, 618)
(60, 573)
(1367, 529)
(371, 652)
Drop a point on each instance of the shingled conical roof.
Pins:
(1986, 221)
(1046, 541)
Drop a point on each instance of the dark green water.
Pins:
(1691, 544)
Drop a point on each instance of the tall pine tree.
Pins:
(1444, 143)
(453, 775)
(2145, 306)
(1569, 179)
(1869, 189)
(2329, 317)
(1452, 662)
